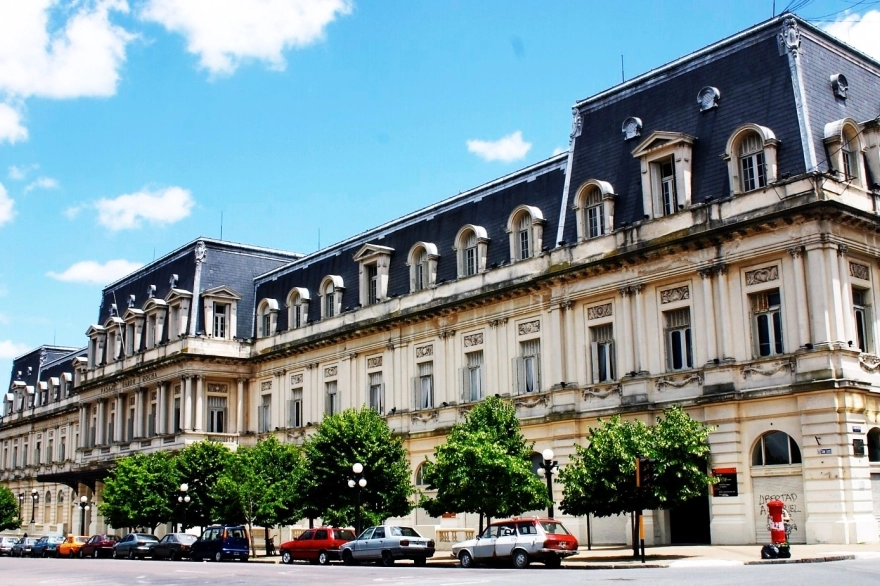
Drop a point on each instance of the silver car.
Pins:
(387, 544)
(520, 541)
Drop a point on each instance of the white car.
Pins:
(520, 541)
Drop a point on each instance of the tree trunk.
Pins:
(634, 523)
(481, 523)
(251, 535)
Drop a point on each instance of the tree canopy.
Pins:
(9, 513)
(140, 491)
(200, 465)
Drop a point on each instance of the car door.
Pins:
(360, 549)
(506, 540)
(302, 545)
(123, 546)
(485, 546)
(318, 543)
(163, 548)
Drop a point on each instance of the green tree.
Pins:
(484, 467)
(341, 441)
(9, 513)
(199, 465)
(140, 491)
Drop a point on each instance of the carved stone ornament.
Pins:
(678, 382)
(425, 416)
(201, 252)
(331, 371)
(374, 362)
(529, 401)
(839, 85)
(675, 294)
(494, 323)
(577, 125)
(219, 388)
(423, 351)
(599, 311)
(869, 362)
(708, 98)
(631, 128)
(767, 369)
(601, 392)
(790, 37)
(296, 379)
(763, 275)
(266, 385)
(473, 339)
(859, 271)
(529, 327)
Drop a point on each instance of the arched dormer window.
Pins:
(526, 229)
(331, 296)
(776, 448)
(844, 144)
(422, 263)
(267, 318)
(594, 207)
(751, 158)
(471, 244)
(297, 307)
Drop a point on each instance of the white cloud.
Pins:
(3, 319)
(6, 205)
(558, 151)
(165, 206)
(10, 349)
(11, 130)
(73, 211)
(19, 172)
(506, 149)
(42, 183)
(89, 271)
(223, 33)
(858, 30)
(81, 56)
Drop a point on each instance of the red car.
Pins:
(318, 546)
(98, 546)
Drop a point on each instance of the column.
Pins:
(201, 399)
(641, 355)
(162, 409)
(84, 425)
(800, 288)
(552, 357)
(835, 310)
(119, 421)
(626, 336)
(139, 413)
(571, 357)
(100, 431)
(817, 279)
(846, 300)
(239, 406)
(186, 420)
(709, 314)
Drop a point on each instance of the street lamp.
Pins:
(183, 499)
(548, 468)
(83, 507)
(357, 481)
(34, 497)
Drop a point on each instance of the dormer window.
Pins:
(666, 172)
(471, 244)
(845, 149)
(134, 328)
(594, 207)
(525, 227)
(221, 319)
(751, 158)
(155, 311)
(115, 328)
(178, 302)
(297, 308)
(422, 264)
(267, 318)
(97, 338)
(331, 296)
(220, 311)
(374, 263)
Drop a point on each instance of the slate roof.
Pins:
(43, 362)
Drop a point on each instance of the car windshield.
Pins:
(345, 534)
(81, 539)
(404, 532)
(554, 528)
(186, 538)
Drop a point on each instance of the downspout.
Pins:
(576, 126)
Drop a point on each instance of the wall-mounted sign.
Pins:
(857, 429)
(726, 485)
(858, 447)
(824, 451)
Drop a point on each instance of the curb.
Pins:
(829, 558)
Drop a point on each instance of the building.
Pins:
(709, 240)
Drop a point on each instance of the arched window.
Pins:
(471, 245)
(329, 300)
(751, 158)
(874, 445)
(422, 266)
(267, 318)
(594, 206)
(420, 475)
(331, 296)
(525, 227)
(776, 448)
(523, 239)
(297, 308)
(48, 497)
(844, 146)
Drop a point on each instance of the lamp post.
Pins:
(548, 468)
(20, 504)
(183, 499)
(34, 498)
(357, 481)
(83, 507)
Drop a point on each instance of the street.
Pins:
(33, 572)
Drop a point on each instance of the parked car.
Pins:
(6, 544)
(23, 546)
(387, 544)
(173, 546)
(71, 545)
(221, 542)
(318, 546)
(46, 546)
(98, 546)
(134, 545)
(521, 541)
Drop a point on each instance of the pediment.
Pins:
(371, 250)
(176, 294)
(94, 330)
(132, 313)
(662, 139)
(112, 322)
(222, 292)
(153, 304)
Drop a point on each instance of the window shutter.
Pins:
(381, 398)
(328, 403)
(538, 386)
(594, 361)
(519, 380)
(414, 384)
(290, 415)
(464, 375)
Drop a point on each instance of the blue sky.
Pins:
(128, 127)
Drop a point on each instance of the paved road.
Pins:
(37, 572)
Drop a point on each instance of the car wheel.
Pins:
(81, 554)
(347, 558)
(194, 558)
(323, 558)
(95, 553)
(520, 559)
(131, 555)
(218, 557)
(420, 561)
(286, 558)
(244, 559)
(387, 558)
(115, 555)
(45, 554)
(466, 559)
(554, 561)
(175, 556)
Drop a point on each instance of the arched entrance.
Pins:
(777, 473)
